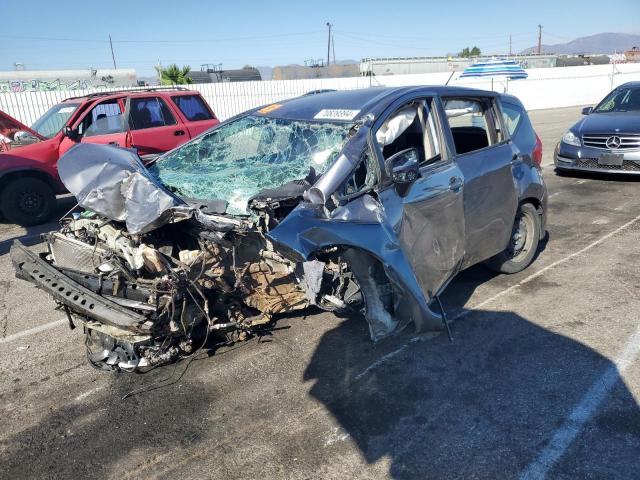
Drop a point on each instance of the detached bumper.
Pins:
(77, 298)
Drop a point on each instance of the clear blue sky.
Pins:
(46, 35)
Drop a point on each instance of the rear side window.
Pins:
(472, 124)
(512, 117)
(193, 107)
(149, 113)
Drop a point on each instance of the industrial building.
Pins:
(296, 72)
(213, 73)
(409, 65)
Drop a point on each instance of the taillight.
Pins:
(537, 152)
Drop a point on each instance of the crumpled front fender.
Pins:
(307, 229)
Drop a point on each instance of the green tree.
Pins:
(174, 75)
(466, 52)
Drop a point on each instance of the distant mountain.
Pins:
(599, 43)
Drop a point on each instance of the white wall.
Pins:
(545, 88)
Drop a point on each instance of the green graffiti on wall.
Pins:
(35, 85)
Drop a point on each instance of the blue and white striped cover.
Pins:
(495, 68)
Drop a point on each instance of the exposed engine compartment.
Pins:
(187, 283)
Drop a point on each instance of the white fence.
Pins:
(545, 88)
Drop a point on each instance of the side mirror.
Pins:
(587, 110)
(404, 169)
(70, 133)
(24, 138)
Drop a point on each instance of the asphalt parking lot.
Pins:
(543, 377)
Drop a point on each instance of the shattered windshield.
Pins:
(239, 159)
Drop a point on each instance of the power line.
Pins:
(164, 40)
(113, 57)
(333, 46)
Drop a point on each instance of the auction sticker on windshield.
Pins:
(336, 114)
(270, 108)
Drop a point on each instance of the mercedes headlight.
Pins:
(571, 138)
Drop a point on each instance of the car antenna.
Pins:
(445, 321)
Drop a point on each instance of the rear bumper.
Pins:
(80, 300)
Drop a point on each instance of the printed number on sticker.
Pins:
(336, 114)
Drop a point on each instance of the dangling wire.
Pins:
(169, 380)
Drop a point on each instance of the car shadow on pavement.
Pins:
(101, 436)
(31, 235)
(481, 407)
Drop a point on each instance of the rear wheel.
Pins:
(27, 201)
(523, 244)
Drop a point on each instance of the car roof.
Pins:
(511, 99)
(634, 83)
(145, 92)
(364, 101)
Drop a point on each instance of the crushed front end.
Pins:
(149, 299)
(211, 242)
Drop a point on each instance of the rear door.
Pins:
(153, 126)
(484, 156)
(198, 117)
(432, 223)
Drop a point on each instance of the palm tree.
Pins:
(174, 75)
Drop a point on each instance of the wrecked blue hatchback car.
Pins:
(365, 201)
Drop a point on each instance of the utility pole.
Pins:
(328, 43)
(333, 48)
(113, 57)
(510, 50)
(539, 39)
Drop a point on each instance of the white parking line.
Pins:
(482, 304)
(548, 267)
(31, 331)
(386, 357)
(88, 393)
(582, 412)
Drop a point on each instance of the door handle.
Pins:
(178, 133)
(455, 183)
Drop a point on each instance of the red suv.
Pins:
(151, 121)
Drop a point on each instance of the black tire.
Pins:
(27, 201)
(523, 243)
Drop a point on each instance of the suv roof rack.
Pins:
(129, 90)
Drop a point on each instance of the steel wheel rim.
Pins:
(522, 237)
(30, 202)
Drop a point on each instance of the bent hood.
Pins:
(9, 126)
(114, 183)
(625, 122)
